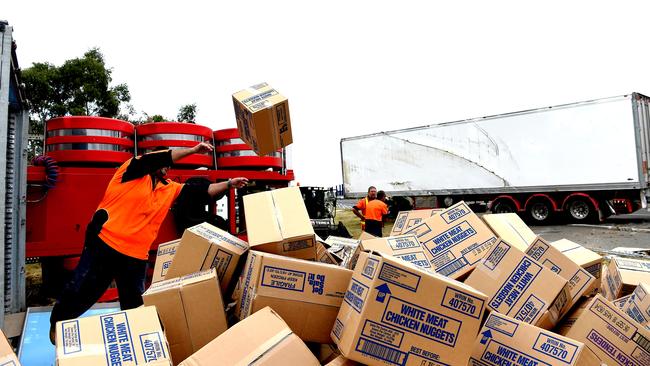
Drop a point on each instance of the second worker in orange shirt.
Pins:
(375, 212)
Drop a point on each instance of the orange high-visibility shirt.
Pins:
(375, 210)
(136, 209)
(361, 205)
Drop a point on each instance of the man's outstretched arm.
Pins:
(215, 189)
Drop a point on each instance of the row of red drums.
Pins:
(93, 141)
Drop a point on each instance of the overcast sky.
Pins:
(348, 67)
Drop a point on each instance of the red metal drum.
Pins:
(234, 154)
(84, 140)
(176, 135)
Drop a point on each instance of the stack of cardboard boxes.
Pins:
(398, 302)
(419, 297)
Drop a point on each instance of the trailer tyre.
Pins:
(503, 206)
(540, 211)
(580, 210)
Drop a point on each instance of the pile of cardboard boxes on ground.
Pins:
(449, 290)
(446, 288)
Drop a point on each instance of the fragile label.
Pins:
(282, 278)
(420, 321)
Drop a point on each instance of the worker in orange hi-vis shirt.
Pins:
(121, 231)
(375, 212)
(360, 208)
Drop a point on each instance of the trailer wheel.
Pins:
(503, 206)
(540, 211)
(580, 210)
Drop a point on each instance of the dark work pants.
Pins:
(373, 227)
(98, 266)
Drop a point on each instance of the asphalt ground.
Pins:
(631, 230)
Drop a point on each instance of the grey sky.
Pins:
(348, 67)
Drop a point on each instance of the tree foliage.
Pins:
(187, 113)
(81, 86)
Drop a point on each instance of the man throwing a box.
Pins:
(123, 228)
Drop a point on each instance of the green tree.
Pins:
(187, 113)
(81, 86)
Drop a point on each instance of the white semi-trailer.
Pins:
(581, 159)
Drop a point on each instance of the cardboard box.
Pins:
(325, 352)
(621, 301)
(307, 295)
(638, 305)
(407, 219)
(263, 118)
(580, 281)
(633, 272)
(570, 318)
(396, 313)
(365, 236)
(511, 228)
(164, 257)
(585, 258)
(611, 286)
(507, 341)
(342, 361)
(121, 338)
(191, 310)
(521, 287)
(342, 248)
(261, 339)
(7, 355)
(205, 246)
(324, 255)
(405, 247)
(277, 222)
(613, 336)
(456, 239)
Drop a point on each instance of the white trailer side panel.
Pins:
(589, 145)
